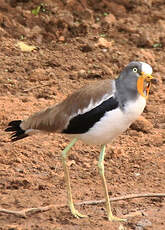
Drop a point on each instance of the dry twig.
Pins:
(23, 213)
(131, 196)
(36, 87)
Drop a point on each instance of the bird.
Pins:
(95, 114)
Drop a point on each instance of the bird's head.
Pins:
(137, 76)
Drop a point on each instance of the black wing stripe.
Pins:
(83, 122)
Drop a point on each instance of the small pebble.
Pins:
(110, 19)
(82, 73)
(102, 42)
(104, 50)
(143, 223)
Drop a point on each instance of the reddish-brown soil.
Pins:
(69, 54)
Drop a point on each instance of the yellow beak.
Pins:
(140, 84)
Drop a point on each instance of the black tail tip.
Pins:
(13, 126)
(15, 136)
(17, 132)
(15, 123)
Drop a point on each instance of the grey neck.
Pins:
(125, 92)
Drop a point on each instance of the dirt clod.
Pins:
(143, 125)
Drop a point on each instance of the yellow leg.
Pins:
(107, 201)
(67, 179)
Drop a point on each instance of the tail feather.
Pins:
(17, 132)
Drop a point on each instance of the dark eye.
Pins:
(135, 70)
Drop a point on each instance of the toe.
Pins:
(115, 218)
(77, 214)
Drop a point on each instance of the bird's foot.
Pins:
(76, 213)
(115, 218)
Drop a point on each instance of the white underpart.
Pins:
(146, 68)
(113, 123)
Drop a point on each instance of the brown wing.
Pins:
(57, 117)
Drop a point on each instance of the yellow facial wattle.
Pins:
(140, 84)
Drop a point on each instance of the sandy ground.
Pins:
(77, 42)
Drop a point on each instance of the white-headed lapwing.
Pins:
(95, 114)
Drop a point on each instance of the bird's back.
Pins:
(57, 117)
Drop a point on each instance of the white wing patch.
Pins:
(92, 105)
